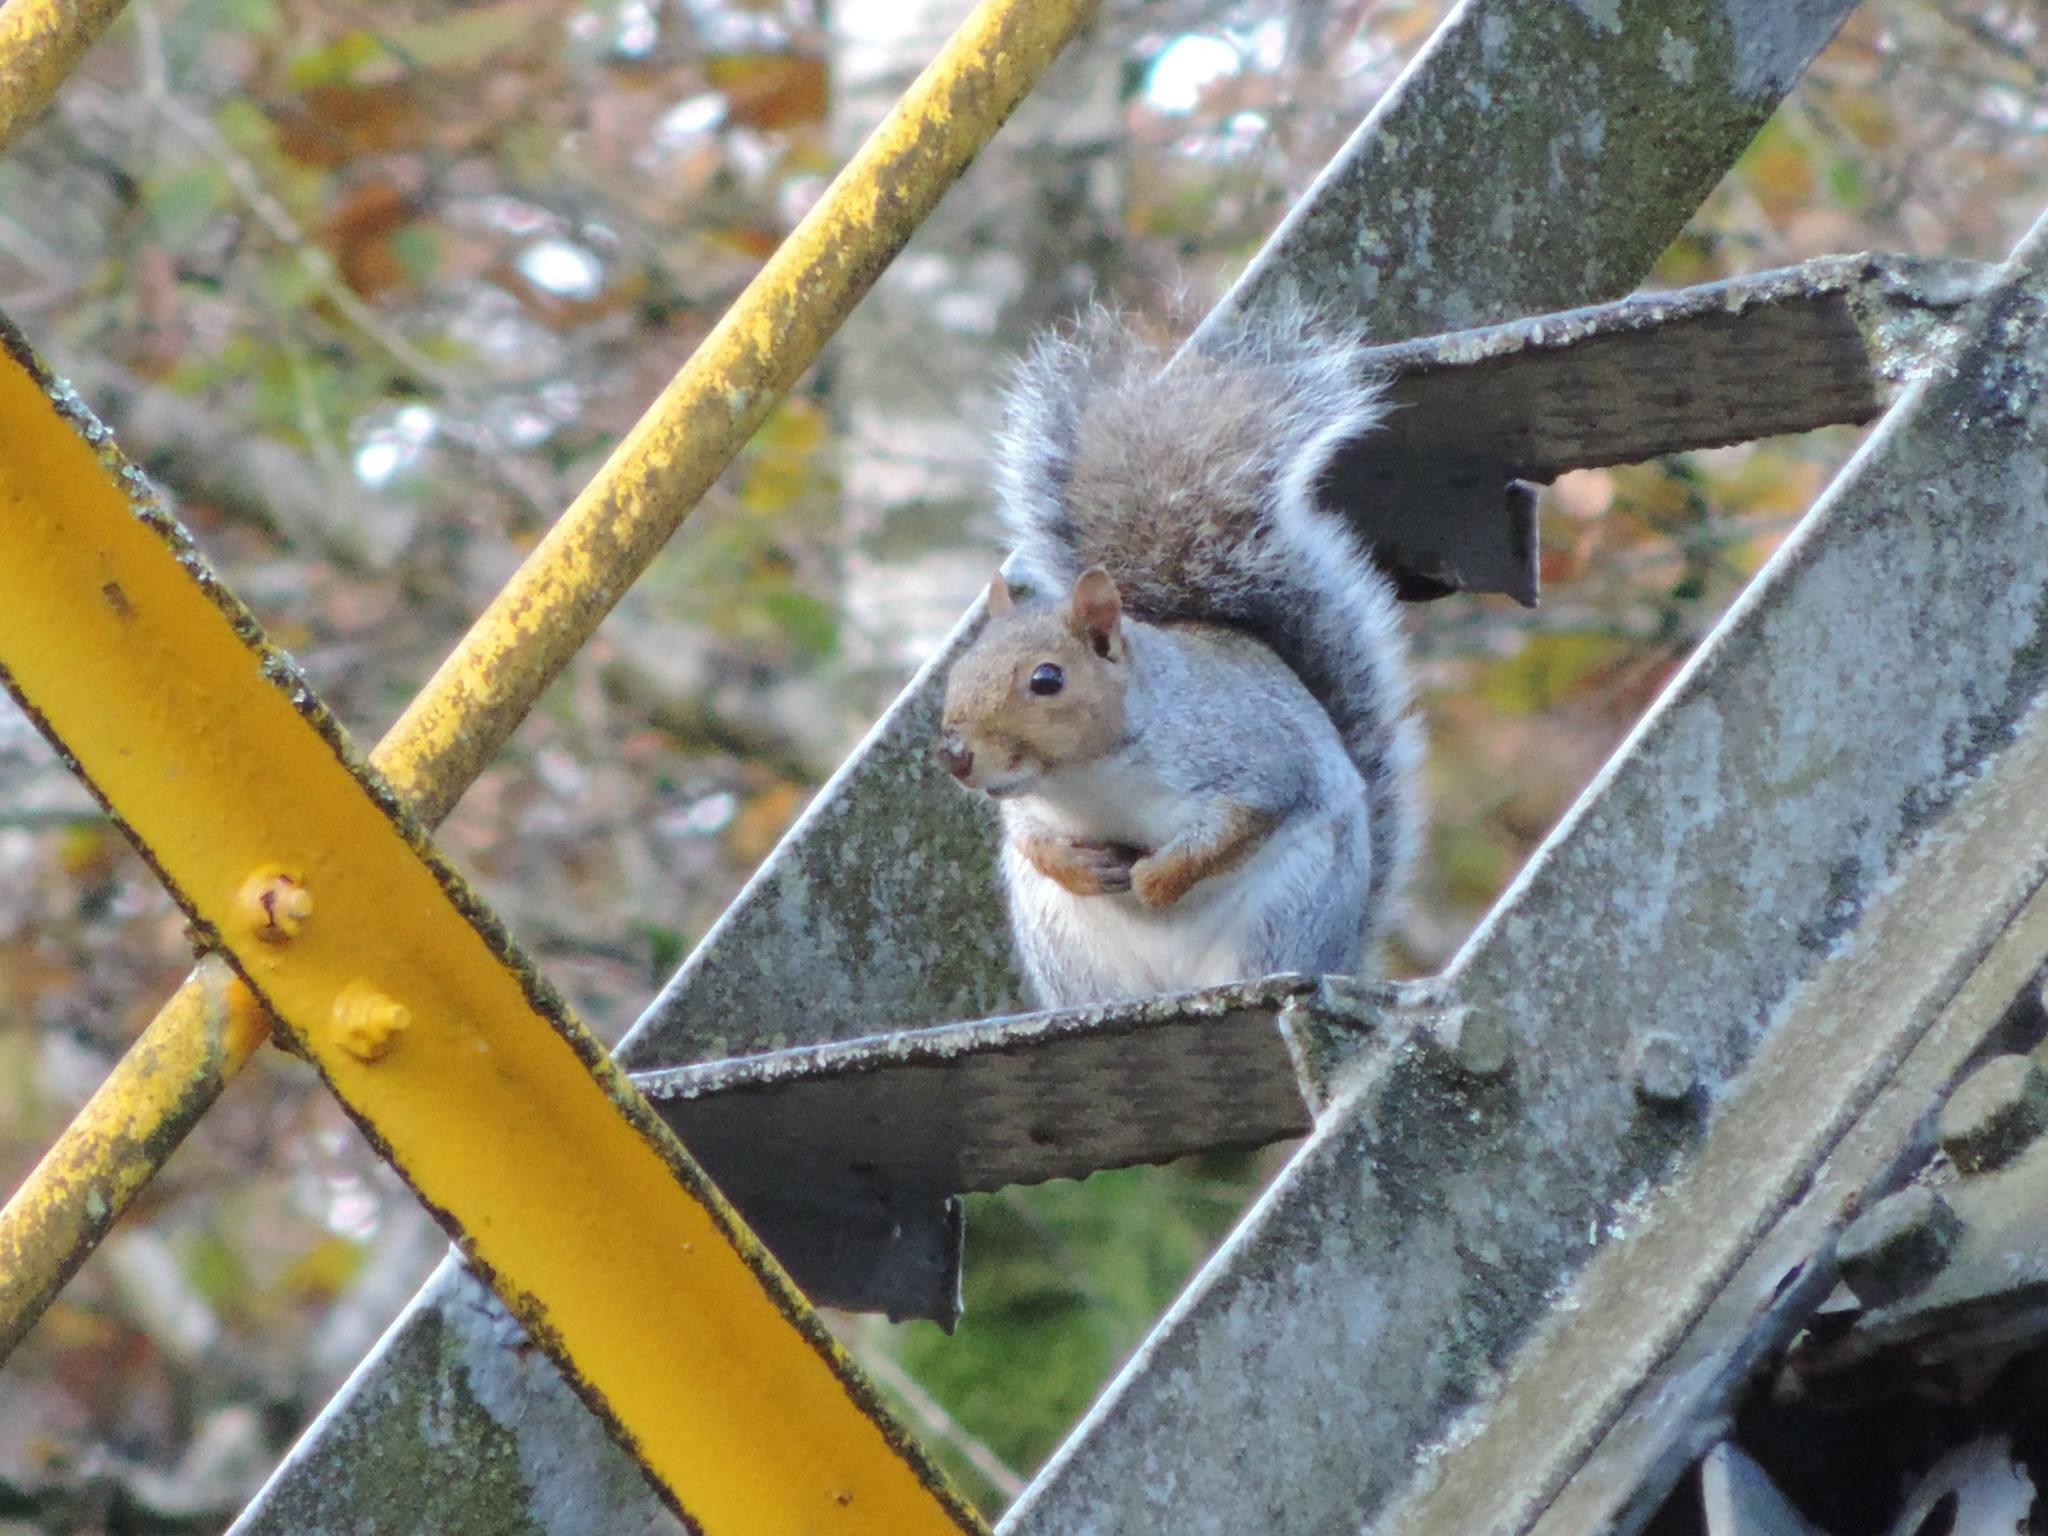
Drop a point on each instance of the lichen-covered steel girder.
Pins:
(1856, 1053)
(882, 904)
(1507, 110)
(461, 1376)
(296, 863)
(41, 41)
(1817, 870)
(1567, 141)
(1528, 399)
(564, 588)
(1825, 342)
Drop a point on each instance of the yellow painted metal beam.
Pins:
(508, 1119)
(671, 457)
(41, 42)
(463, 716)
(134, 1120)
(155, 1094)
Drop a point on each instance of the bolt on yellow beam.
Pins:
(564, 1190)
(41, 42)
(519, 644)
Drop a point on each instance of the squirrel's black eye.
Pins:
(1048, 680)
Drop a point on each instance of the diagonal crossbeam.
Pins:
(1946, 491)
(295, 862)
(1491, 123)
(844, 1155)
(1809, 887)
(204, 1034)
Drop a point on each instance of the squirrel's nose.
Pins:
(955, 758)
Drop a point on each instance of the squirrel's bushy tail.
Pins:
(1197, 487)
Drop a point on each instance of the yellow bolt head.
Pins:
(367, 1024)
(274, 904)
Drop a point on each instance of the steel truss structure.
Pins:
(1555, 1208)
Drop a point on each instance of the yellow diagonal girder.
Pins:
(180, 1064)
(41, 41)
(508, 1119)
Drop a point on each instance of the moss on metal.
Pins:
(477, 1435)
(1542, 160)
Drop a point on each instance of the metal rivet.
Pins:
(274, 904)
(367, 1024)
(1662, 1068)
(1995, 1115)
(1479, 1043)
(1897, 1246)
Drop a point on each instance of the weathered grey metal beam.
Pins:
(1539, 155)
(978, 1106)
(1728, 362)
(1561, 136)
(1952, 1272)
(1810, 346)
(1818, 874)
(845, 1157)
(1462, 201)
(457, 1426)
(1840, 1097)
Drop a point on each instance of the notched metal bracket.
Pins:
(1439, 488)
(845, 1157)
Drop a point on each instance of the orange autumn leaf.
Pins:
(335, 124)
(772, 90)
(358, 233)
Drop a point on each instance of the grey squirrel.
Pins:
(1196, 727)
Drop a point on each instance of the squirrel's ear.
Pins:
(1093, 612)
(1001, 602)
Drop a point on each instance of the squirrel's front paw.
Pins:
(1085, 868)
(1160, 882)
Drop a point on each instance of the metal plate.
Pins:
(1003, 1101)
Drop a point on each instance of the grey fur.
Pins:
(1196, 486)
(1296, 903)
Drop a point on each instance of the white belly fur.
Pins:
(1202, 940)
